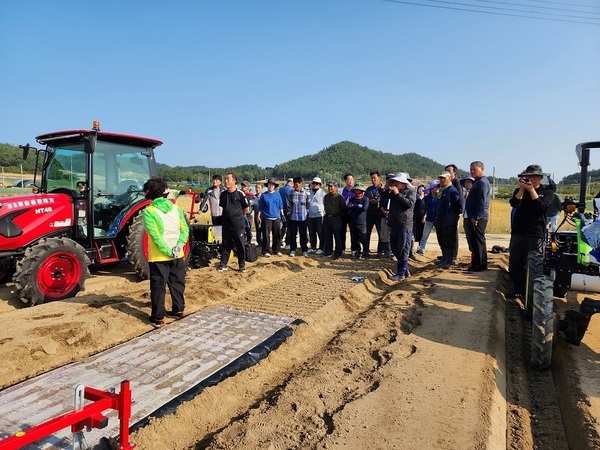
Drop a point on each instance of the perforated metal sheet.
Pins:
(160, 365)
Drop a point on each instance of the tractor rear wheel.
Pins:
(542, 323)
(53, 269)
(137, 247)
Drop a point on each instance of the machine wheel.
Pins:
(542, 324)
(53, 269)
(137, 247)
(535, 269)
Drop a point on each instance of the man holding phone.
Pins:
(530, 201)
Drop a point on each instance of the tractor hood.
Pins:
(27, 218)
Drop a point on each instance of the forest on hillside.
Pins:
(330, 163)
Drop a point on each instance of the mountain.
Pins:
(348, 157)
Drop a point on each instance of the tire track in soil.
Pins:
(534, 417)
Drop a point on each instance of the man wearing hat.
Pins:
(357, 220)
(447, 212)
(270, 212)
(430, 201)
(335, 207)
(402, 198)
(530, 201)
(316, 211)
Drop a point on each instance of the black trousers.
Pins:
(476, 238)
(519, 249)
(332, 231)
(271, 228)
(300, 227)
(447, 236)
(234, 239)
(374, 221)
(163, 274)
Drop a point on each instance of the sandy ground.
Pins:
(376, 364)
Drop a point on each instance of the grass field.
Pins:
(499, 222)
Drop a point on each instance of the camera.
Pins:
(526, 180)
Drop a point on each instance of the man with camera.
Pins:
(530, 201)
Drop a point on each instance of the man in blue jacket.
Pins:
(477, 211)
(447, 212)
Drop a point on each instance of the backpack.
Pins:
(251, 254)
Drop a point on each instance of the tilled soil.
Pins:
(370, 363)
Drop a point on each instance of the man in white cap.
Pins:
(447, 212)
(316, 211)
(402, 198)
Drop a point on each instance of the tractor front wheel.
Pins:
(53, 269)
(542, 323)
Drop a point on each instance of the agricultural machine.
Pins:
(565, 266)
(83, 212)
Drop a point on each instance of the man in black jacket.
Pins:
(530, 202)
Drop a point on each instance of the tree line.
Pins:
(330, 163)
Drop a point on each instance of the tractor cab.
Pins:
(103, 175)
(87, 192)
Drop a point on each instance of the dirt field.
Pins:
(435, 362)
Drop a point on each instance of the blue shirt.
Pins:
(430, 207)
(478, 201)
(284, 192)
(299, 202)
(270, 205)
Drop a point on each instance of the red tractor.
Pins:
(84, 212)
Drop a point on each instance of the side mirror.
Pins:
(25, 149)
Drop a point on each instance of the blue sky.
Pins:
(228, 82)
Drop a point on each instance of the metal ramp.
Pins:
(161, 366)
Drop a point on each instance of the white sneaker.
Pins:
(279, 254)
(319, 252)
(310, 250)
(305, 254)
(267, 254)
(292, 253)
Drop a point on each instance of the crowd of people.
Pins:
(403, 216)
(303, 221)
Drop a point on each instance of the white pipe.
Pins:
(585, 283)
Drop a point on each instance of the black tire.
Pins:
(53, 269)
(542, 324)
(535, 269)
(137, 247)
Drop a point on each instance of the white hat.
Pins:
(317, 180)
(401, 177)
